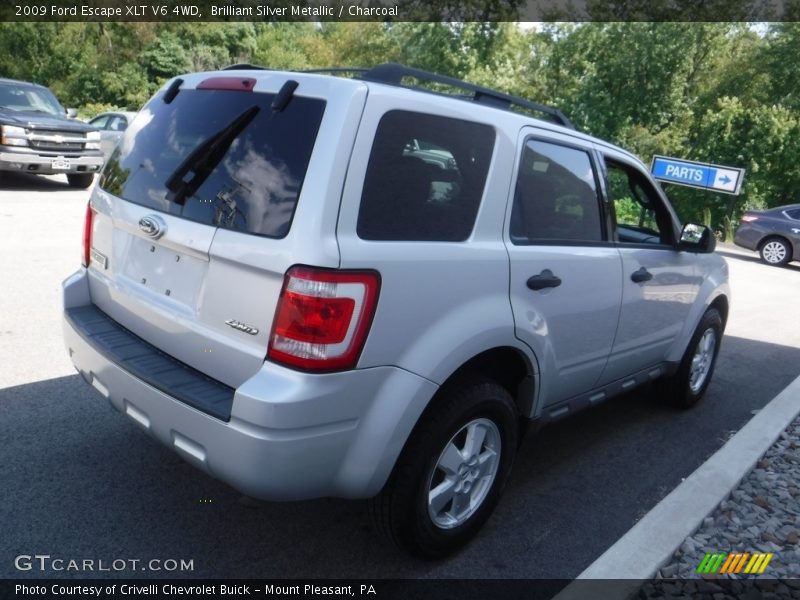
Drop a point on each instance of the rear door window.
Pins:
(556, 196)
(425, 178)
(99, 122)
(117, 123)
(222, 158)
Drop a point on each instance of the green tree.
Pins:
(283, 45)
(765, 140)
(165, 57)
(26, 51)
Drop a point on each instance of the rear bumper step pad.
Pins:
(144, 361)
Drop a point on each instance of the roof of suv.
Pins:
(398, 76)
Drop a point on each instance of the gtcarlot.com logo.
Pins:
(46, 562)
(735, 562)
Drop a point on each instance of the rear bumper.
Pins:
(748, 237)
(290, 436)
(29, 162)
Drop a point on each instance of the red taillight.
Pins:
(322, 318)
(749, 218)
(87, 235)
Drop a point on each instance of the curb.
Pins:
(649, 544)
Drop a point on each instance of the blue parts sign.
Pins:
(705, 176)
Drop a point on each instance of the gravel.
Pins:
(761, 515)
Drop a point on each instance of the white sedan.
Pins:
(111, 125)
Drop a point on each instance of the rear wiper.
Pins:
(205, 157)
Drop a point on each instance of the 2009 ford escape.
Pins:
(309, 285)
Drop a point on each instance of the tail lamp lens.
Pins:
(87, 235)
(323, 318)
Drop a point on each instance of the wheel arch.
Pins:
(508, 366)
(722, 304)
(774, 236)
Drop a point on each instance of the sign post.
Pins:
(715, 178)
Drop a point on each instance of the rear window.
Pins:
(222, 158)
(425, 178)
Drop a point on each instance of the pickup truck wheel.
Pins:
(452, 471)
(80, 180)
(685, 388)
(775, 251)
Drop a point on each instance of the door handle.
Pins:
(641, 276)
(543, 280)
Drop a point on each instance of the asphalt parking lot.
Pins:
(79, 481)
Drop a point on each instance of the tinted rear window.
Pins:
(222, 158)
(425, 178)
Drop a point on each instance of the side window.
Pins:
(640, 215)
(425, 178)
(99, 122)
(794, 214)
(556, 196)
(118, 124)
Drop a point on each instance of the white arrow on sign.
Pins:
(726, 180)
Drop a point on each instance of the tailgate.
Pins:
(205, 308)
(189, 237)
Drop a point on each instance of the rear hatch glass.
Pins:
(218, 157)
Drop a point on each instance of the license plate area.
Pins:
(61, 164)
(164, 271)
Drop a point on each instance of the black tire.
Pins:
(680, 389)
(775, 251)
(401, 510)
(80, 180)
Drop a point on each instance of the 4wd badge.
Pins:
(241, 326)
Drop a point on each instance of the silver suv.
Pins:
(310, 285)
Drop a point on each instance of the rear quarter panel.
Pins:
(441, 303)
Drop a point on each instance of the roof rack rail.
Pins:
(245, 67)
(337, 70)
(394, 73)
(332, 70)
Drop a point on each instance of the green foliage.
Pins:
(35, 42)
(91, 110)
(724, 93)
(165, 57)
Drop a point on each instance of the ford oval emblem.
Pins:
(152, 226)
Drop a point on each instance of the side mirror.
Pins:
(697, 238)
(72, 113)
